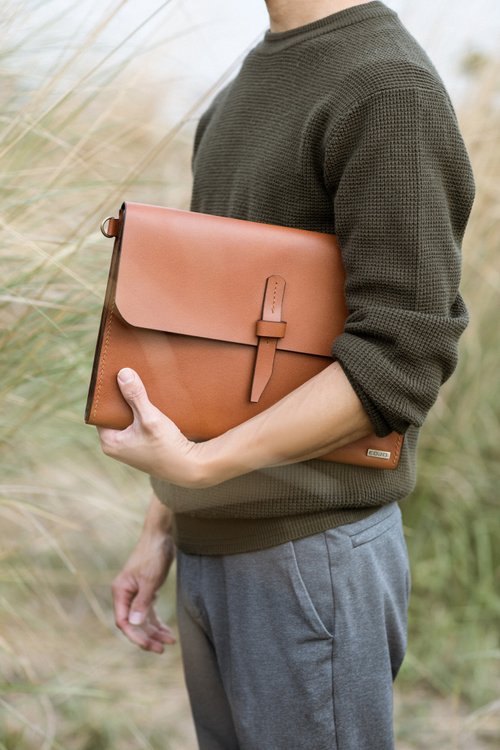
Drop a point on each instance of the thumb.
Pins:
(133, 391)
(140, 605)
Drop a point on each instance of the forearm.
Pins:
(158, 519)
(321, 415)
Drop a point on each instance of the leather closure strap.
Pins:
(269, 330)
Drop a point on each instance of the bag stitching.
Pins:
(107, 337)
(397, 450)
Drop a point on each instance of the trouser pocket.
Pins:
(311, 576)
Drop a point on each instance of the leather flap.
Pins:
(205, 276)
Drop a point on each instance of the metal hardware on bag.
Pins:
(378, 454)
(103, 225)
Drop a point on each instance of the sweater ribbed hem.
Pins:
(226, 536)
(274, 41)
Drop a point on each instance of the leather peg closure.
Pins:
(269, 330)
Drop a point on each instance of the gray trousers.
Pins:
(295, 647)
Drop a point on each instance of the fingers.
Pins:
(123, 591)
(142, 614)
(150, 633)
(163, 631)
(142, 601)
(135, 615)
(147, 637)
(109, 440)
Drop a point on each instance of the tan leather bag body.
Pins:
(221, 318)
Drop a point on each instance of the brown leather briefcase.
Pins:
(221, 318)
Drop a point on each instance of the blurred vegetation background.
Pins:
(79, 132)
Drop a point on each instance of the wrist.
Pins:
(219, 459)
(151, 549)
(154, 543)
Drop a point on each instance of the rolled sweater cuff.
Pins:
(382, 425)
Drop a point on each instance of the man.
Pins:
(293, 576)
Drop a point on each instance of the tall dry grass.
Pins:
(73, 144)
(79, 133)
(453, 519)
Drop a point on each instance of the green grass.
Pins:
(73, 144)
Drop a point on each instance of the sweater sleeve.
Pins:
(402, 190)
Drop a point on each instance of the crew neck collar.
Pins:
(274, 41)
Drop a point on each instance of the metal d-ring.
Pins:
(103, 226)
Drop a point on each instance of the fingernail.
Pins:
(135, 618)
(126, 375)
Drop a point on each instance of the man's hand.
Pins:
(322, 414)
(152, 443)
(135, 590)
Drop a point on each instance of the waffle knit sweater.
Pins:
(343, 126)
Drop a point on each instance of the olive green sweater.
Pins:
(344, 126)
